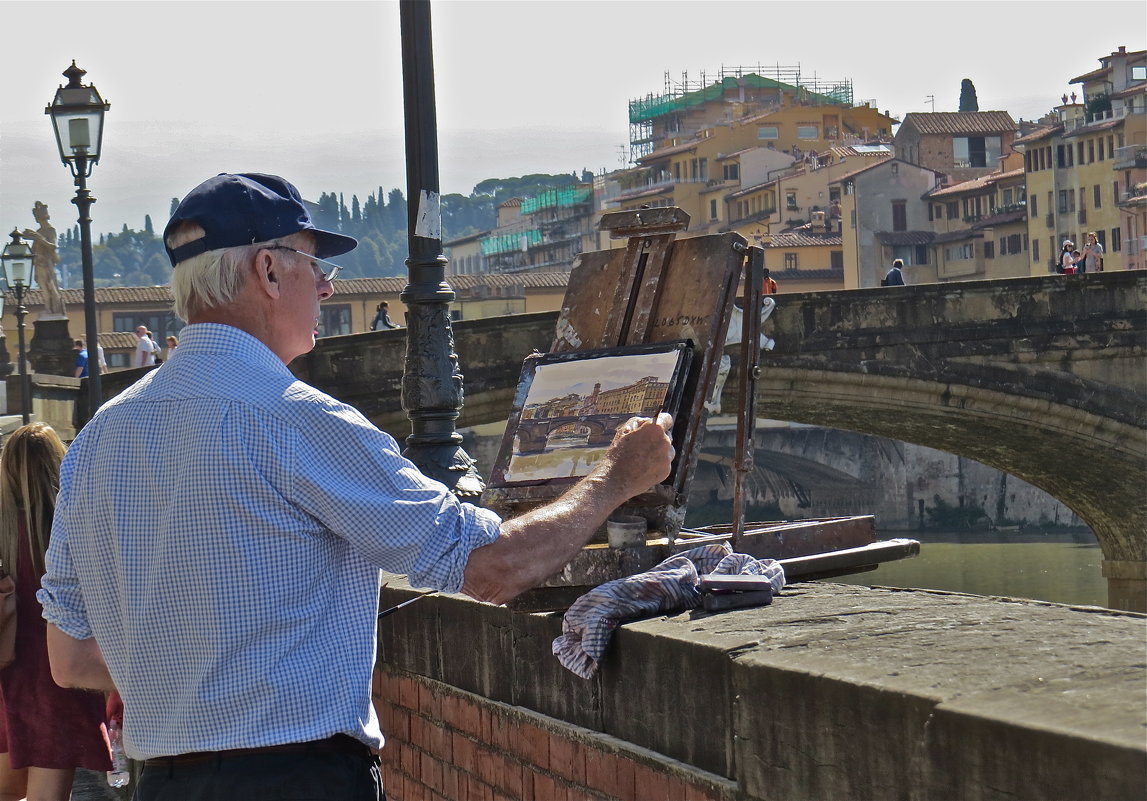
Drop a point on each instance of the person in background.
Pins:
(895, 276)
(145, 348)
(81, 370)
(46, 732)
(1067, 258)
(769, 285)
(1092, 254)
(230, 591)
(382, 321)
(172, 342)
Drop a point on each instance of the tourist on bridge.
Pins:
(769, 284)
(1092, 255)
(1069, 258)
(382, 321)
(895, 276)
(230, 589)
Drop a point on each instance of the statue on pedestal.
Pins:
(45, 257)
(50, 350)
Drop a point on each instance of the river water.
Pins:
(1062, 567)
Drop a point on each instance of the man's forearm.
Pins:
(76, 663)
(538, 544)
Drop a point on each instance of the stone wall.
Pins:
(832, 692)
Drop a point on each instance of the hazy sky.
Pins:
(313, 90)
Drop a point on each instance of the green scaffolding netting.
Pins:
(556, 198)
(650, 107)
(505, 243)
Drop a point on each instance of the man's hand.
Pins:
(641, 453)
(541, 542)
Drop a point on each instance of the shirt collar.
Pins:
(218, 339)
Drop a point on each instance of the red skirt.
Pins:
(42, 725)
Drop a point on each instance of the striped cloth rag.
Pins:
(672, 586)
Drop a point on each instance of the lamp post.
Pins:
(432, 379)
(17, 265)
(77, 113)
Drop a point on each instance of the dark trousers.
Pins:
(296, 774)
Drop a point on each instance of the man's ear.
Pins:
(267, 273)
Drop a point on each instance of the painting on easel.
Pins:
(569, 406)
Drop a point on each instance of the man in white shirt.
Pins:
(144, 348)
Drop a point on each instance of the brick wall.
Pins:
(444, 744)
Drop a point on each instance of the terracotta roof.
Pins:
(394, 285)
(1133, 89)
(959, 122)
(803, 237)
(905, 237)
(1039, 133)
(161, 295)
(122, 340)
(1091, 76)
(849, 175)
(878, 150)
(513, 201)
(976, 183)
(150, 295)
(668, 151)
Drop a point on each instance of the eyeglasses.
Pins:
(328, 274)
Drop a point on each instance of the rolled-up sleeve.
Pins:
(59, 592)
(355, 481)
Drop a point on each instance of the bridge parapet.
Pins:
(833, 692)
(1045, 378)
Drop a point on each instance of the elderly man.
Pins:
(230, 589)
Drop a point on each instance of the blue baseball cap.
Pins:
(246, 208)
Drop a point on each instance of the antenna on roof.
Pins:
(931, 99)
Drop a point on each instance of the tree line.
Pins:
(137, 257)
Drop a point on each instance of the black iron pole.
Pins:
(432, 380)
(25, 379)
(84, 201)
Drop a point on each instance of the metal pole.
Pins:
(84, 201)
(432, 380)
(25, 379)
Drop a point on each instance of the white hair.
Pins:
(214, 278)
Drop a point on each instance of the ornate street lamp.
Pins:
(77, 113)
(432, 379)
(17, 265)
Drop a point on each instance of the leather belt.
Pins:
(335, 744)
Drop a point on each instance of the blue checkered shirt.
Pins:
(220, 530)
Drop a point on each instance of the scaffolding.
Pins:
(686, 94)
(506, 243)
(556, 198)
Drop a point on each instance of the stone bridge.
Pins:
(533, 433)
(1044, 378)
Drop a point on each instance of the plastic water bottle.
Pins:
(119, 775)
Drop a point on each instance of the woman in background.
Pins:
(46, 732)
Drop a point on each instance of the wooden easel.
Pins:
(661, 289)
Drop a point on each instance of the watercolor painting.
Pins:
(573, 405)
